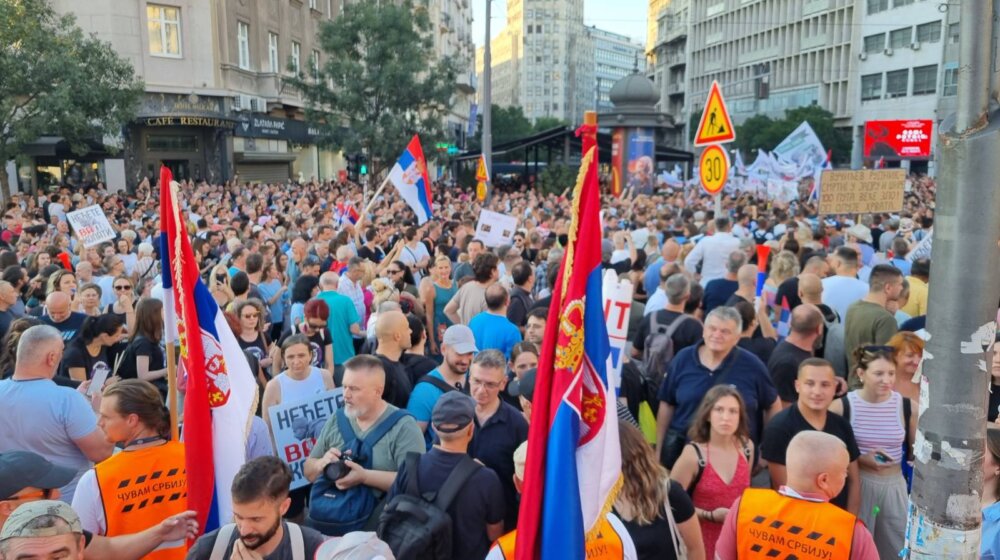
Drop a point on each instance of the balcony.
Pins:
(467, 82)
(674, 88)
(676, 59)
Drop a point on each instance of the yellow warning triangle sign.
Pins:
(715, 127)
(482, 175)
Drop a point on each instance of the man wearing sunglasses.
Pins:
(26, 477)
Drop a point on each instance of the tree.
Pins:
(380, 84)
(763, 132)
(509, 123)
(547, 123)
(54, 80)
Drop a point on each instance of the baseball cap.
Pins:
(24, 469)
(358, 545)
(524, 387)
(19, 524)
(453, 411)
(460, 339)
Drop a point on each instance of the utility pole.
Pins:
(487, 86)
(945, 515)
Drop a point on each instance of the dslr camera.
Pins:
(339, 469)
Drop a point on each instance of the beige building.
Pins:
(669, 64)
(451, 27)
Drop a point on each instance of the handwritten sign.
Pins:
(617, 309)
(295, 426)
(91, 226)
(495, 229)
(862, 192)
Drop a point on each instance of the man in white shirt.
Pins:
(844, 288)
(712, 252)
(350, 284)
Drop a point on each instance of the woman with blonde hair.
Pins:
(436, 290)
(784, 265)
(656, 511)
(218, 286)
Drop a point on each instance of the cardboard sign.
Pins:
(617, 308)
(495, 229)
(862, 192)
(292, 426)
(91, 226)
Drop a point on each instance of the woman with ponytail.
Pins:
(140, 487)
(87, 355)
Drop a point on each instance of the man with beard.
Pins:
(457, 346)
(260, 498)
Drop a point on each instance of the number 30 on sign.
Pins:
(713, 168)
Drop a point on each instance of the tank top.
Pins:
(878, 425)
(441, 298)
(294, 390)
(712, 492)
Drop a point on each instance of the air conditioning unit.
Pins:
(862, 56)
(915, 46)
(258, 104)
(242, 102)
(888, 52)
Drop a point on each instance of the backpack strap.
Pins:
(907, 414)
(346, 430)
(701, 467)
(654, 325)
(847, 408)
(676, 323)
(455, 481)
(437, 382)
(411, 468)
(222, 539)
(379, 431)
(297, 541)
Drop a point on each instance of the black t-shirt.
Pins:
(202, 549)
(784, 368)
(69, 327)
(375, 256)
(717, 292)
(479, 503)
(257, 348)
(789, 422)
(397, 382)
(318, 341)
(736, 298)
(6, 318)
(789, 289)
(653, 542)
(759, 346)
(142, 346)
(992, 411)
(417, 366)
(77, 356)
(687, 334)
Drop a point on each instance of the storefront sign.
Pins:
(262, 126)
(157, 104)
(292, 423)
(862, 192)
(898, 139)
(188, 121)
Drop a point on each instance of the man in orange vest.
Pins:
(145, 483)
(797, 519)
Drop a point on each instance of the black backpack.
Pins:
(416, 525)
(659, 347)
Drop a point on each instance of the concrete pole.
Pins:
(487, 108)
(944, 520)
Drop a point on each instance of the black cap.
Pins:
(24, 469)
(524, 387)
(453, 411)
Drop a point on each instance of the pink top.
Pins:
(712, 492)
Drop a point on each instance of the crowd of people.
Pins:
(804, 381)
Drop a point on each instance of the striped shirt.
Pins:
(878, 425)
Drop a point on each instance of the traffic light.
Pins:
(363, 164)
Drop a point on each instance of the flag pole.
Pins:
(371, 203)
(172, 390)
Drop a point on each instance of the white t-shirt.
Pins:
(411, 256)
(839, 292)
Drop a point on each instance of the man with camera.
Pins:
(358, 453)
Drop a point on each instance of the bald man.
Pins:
(669, 252)
(789, 289)
(393, 333)
(746, 279)
(797, 520)
(491, 327)
(58, 313)
(806, 330)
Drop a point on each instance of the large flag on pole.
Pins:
(410, 178)
(221, 392)
(573, 470)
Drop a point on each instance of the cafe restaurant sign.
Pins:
(168, 109)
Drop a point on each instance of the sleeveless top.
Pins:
(441, 298)
(878, 425)
(294, 390)
(712, 492)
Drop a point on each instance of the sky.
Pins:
(627, 17)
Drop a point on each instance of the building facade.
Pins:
(542, 60)
(615, 56)
(669, 65)
(451, 26)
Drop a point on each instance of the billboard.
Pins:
(641, 164)
(898, 139)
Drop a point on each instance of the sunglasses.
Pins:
(122, 288)
(393, 271)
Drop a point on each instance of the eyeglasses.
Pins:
(491, 385)
(122, 288)
(393, 271)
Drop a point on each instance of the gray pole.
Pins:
(950, 441)
(488, 102)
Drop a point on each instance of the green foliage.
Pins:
(763, 132)
(54, 80)
(509, 123)
(556, 178)
(547, 123)
(386, 84)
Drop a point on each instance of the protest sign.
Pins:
(617, 309)
(495, 229)
(295, 426)
(91, 226)
(862, 192)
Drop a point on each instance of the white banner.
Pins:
(617, 309)
(292, 426)
(801, 148)
(495, 229)
(91, 226)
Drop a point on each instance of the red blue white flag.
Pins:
(573, 469)
(221, 392)
(410, 178)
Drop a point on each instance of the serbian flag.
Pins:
(880, 164)
(221, 393)
(763, 252)
(346, 213)
(785, 319)
(573, 470)
(410, 178)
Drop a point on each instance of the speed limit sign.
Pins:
(713, 168)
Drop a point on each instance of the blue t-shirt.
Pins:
(343, 314)
(651, 278)
(718, 292)
(688, 380)
(423, 398)
(494, 332)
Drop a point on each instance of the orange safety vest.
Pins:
(141, 488)
(607, 545)
(771, 525)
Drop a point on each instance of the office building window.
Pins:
(164, 29)
(901, 3)
(900, 38)
(314, 64)
(296, 57)
(243, 43)
(312, 4)
(950, 86)
(929, 32)
(871, 87)
(876, 6)
(952, 33)
(272, 52)
(925, 80)
(896, 82)
(874, 43)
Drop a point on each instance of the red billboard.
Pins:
(898, 139)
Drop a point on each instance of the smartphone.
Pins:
(882, 458)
